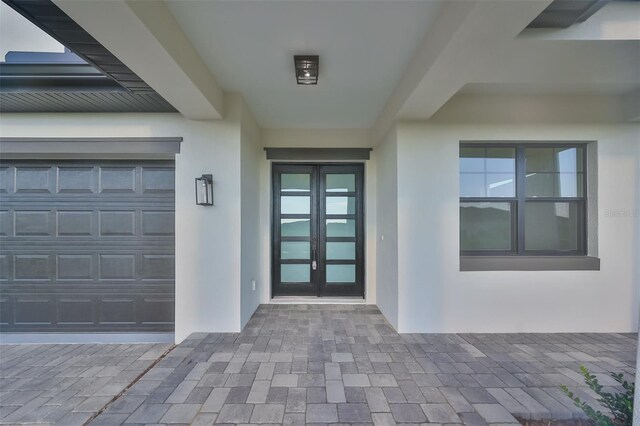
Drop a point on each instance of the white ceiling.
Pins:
(364, 47)
(564, 88)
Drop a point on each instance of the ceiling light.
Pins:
(306, 69)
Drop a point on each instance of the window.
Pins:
(522, 199)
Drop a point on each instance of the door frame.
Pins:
(318, 203)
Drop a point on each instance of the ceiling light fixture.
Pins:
(306, 69)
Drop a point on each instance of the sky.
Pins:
(18, 34)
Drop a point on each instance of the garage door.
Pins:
(86, 246)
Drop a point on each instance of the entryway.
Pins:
(318, 230)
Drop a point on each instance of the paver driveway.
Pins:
(337, 363)
(67, 384)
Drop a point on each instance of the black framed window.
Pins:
(523, 199)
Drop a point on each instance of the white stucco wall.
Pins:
(208, 243)
(434, 296)
(251, 153)
(387, 228)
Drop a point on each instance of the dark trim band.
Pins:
(318, 154)
(79, 148)
(529, 263)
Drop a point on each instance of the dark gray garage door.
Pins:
(86, 246)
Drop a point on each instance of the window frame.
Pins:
(518, 203)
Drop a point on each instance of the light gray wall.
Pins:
(434, 296)
(208, 243)
(387, 228)
(251, 153)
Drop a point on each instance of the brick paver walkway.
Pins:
(67, 384)
(297, 364)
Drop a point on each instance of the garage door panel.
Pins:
(158, 267)
(5, 266)
(33, 223)
(118, 180)
(118, 223)
(33, 310)
(74, 267)
(75, 223)
(6, 180)
(5, 223)
(6, 310)
(118, 311)
(157, 180)
(33, 179)
(75, 311)
(158, 223)
(156, 310)
(77, 180)
(35, 267)
(117, 267)
(87, 246)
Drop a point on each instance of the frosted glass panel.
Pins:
(341, 250)
(295, 205)
(341, 228)
(295, 250)
(295, 182)
(341, 273)
(294, 227)
(295, 273)
(341, 183)
(341, 205)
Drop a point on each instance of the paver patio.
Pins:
(67, 384)
(296, 364)
(342, 363)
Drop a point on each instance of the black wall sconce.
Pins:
(204, 190)
(306, 69)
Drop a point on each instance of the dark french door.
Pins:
(318, 230)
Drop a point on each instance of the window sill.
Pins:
(529, 263)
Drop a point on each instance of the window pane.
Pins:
(295, 182)
(485, 226)
(341, 228)
(554, 185)
(295, 273)
(557, 160)
(294, 227)
(501, 160)
(472, 185)
(501, 185)
(341, 273)
(295, 250)
(341, 205)
(472, 160)
(341, 251)
(487, 172)
(341, 183)
(551, 226)
(295, 205)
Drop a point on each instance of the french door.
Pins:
(318, 230)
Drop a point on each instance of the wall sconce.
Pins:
(204, 190)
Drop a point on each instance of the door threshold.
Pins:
(307, 300)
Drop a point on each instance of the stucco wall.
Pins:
(434, 296)
(387, 229)
(250, 155)
(208, 243)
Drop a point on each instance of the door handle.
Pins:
(314, 264)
